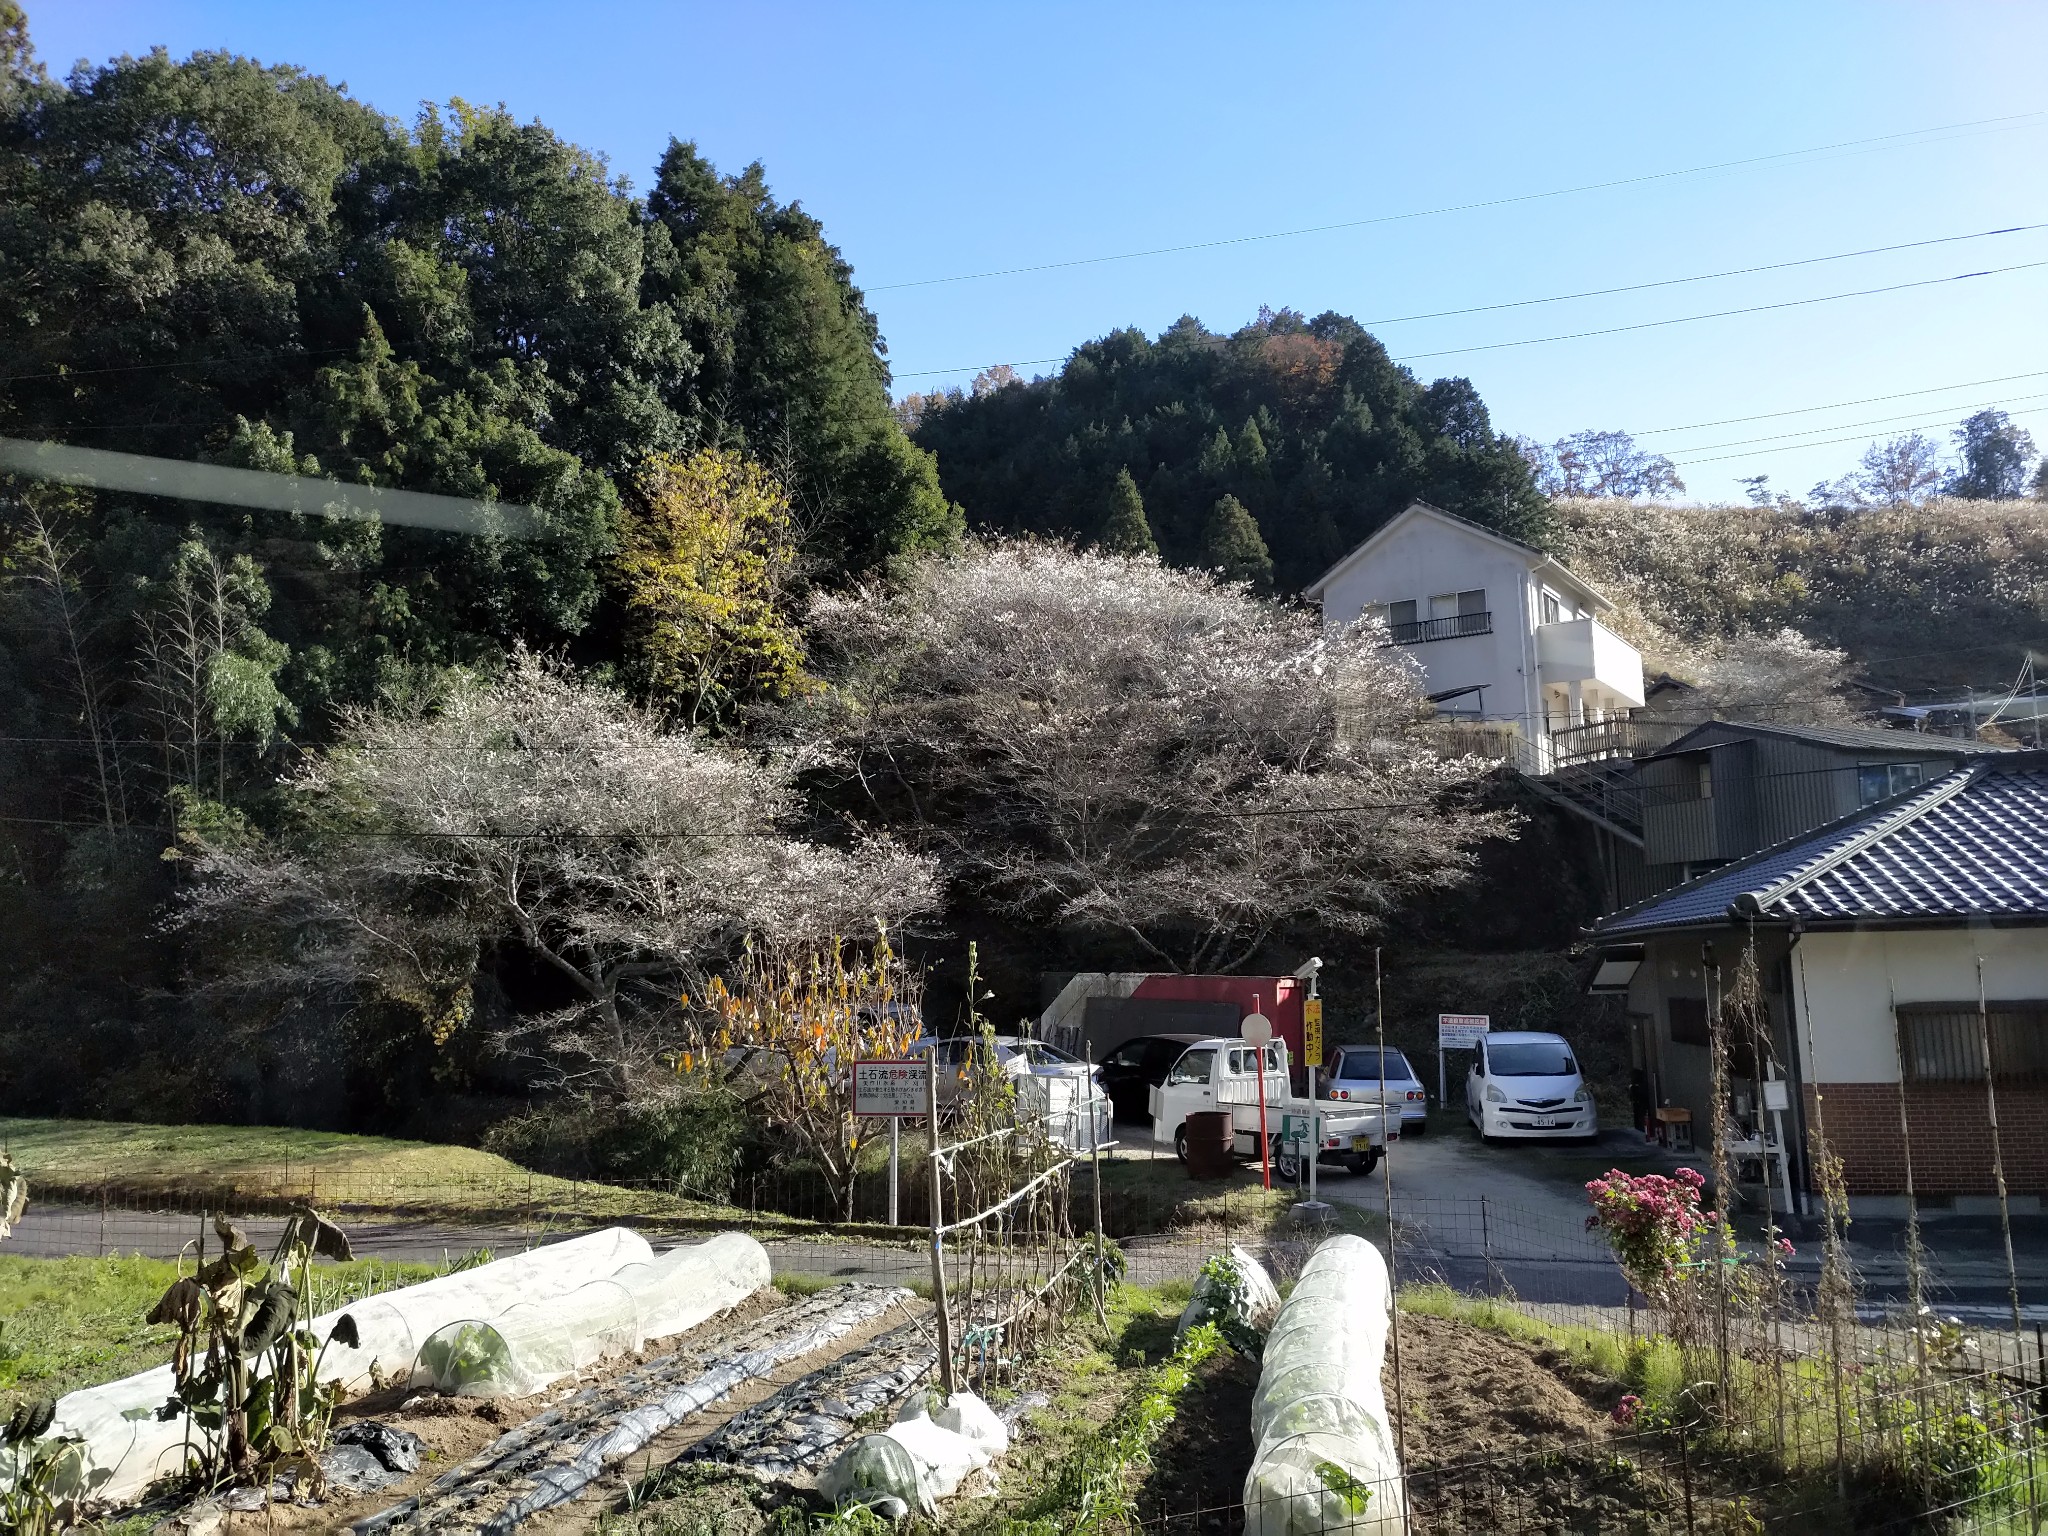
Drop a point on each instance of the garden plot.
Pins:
(791, 1435)
(553, 1457)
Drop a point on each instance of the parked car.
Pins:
(1222, 1073)
(1129, 1073)
(1356, 1074)
(1050, 1082)
(1525, 1084)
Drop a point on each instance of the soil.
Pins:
(1201, 1460)
(456, 1428)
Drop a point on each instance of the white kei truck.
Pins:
(1220, 1074)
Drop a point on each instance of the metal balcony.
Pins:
(1451, 628)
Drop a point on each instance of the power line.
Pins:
(1612, 330)
(1725, 314)
(1804, 410)
(1991, 124)
(1849, 426)
(1832, 442)
(1706, 277)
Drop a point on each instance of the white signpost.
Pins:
(1456, 1032)
(895, 1091)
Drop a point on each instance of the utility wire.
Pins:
(1915, 417)
(1705, 277)
(1991, 124)
(1832, 442)
(1807, 410)
(1612, 330)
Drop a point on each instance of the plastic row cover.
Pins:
(1323, 1456)
(923, 1457)
(127, 1446)
(524, 1347)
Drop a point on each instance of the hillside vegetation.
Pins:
(1945, 594)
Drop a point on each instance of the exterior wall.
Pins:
(1425, 557)
(1846, 983)
(1064, 1021)
(1587, 652)
(1950, 1124)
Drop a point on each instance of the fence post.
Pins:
(944, 1320)
(1486, 1244)
(103, 1218)
(1095, 1171)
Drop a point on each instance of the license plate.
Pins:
(1545, 1122)
(1361, 1143)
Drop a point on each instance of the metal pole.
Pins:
(944, 1318)
(1095, 1171)
(2012, 1272)
(895, 1162)
(1315, 1115)
(1259, 1071)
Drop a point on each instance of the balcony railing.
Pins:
(1449, 628)
(1613, 738)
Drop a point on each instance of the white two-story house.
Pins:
(1504, 634)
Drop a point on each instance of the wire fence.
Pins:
(1777, 1415)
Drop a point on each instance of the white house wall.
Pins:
(1845, 983)
(1425, 558)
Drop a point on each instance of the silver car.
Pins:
(1359, 1073)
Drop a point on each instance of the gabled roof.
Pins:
(1852, 738)
(1972, 846)
(1536, 558)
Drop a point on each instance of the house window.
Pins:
(1706, 778)
(1551, 611)
(1944, 1042)
(1880, 781)
(1688, 1020)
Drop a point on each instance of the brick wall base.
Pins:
(1950, 1127)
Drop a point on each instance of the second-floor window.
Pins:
(1880, 781)
(1552, 612)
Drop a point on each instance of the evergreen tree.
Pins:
(1125, 530)
(1231, 546)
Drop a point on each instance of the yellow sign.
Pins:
(1312, 1031)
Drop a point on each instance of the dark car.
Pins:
(1133, 1069)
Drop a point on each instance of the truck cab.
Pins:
(1224, 1074)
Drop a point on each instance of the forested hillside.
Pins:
(1306, 424)
(210, 260)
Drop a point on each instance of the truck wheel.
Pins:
(1287, 1165)
(1363, 1163)
(1180, 1143)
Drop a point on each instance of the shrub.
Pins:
(690, 1139)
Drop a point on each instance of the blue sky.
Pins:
(951, 139)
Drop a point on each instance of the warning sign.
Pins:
(884, 1088)
(1312, 1031)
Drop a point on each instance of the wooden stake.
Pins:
(944, 1319)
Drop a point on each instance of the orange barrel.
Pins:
(1210, 1144)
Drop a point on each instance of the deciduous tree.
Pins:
(1095, 741)
(547, 815)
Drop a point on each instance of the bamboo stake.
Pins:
(2012, 1273)
(945, 1321)
(1379, 1010)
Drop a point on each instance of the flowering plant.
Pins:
(1653, 1224)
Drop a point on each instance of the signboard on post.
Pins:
(895, 1091)
(1456, 1032)
(1312, 1031)
(891, 1088)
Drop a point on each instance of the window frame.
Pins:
(1943, 1042)
(1208, 1055)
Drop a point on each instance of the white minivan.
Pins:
(1525, 1084)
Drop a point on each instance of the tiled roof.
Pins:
(1973, 844)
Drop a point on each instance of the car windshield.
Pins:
(1532, 1058)
(1366, 1064)
(1038, 1054)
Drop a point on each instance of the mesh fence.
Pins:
(1871, 1420)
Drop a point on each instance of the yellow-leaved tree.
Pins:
(786, 1029)
(708, 554)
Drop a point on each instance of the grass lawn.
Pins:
(76, 1158)
(71, 1323)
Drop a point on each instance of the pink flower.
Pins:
(1624, 1412)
